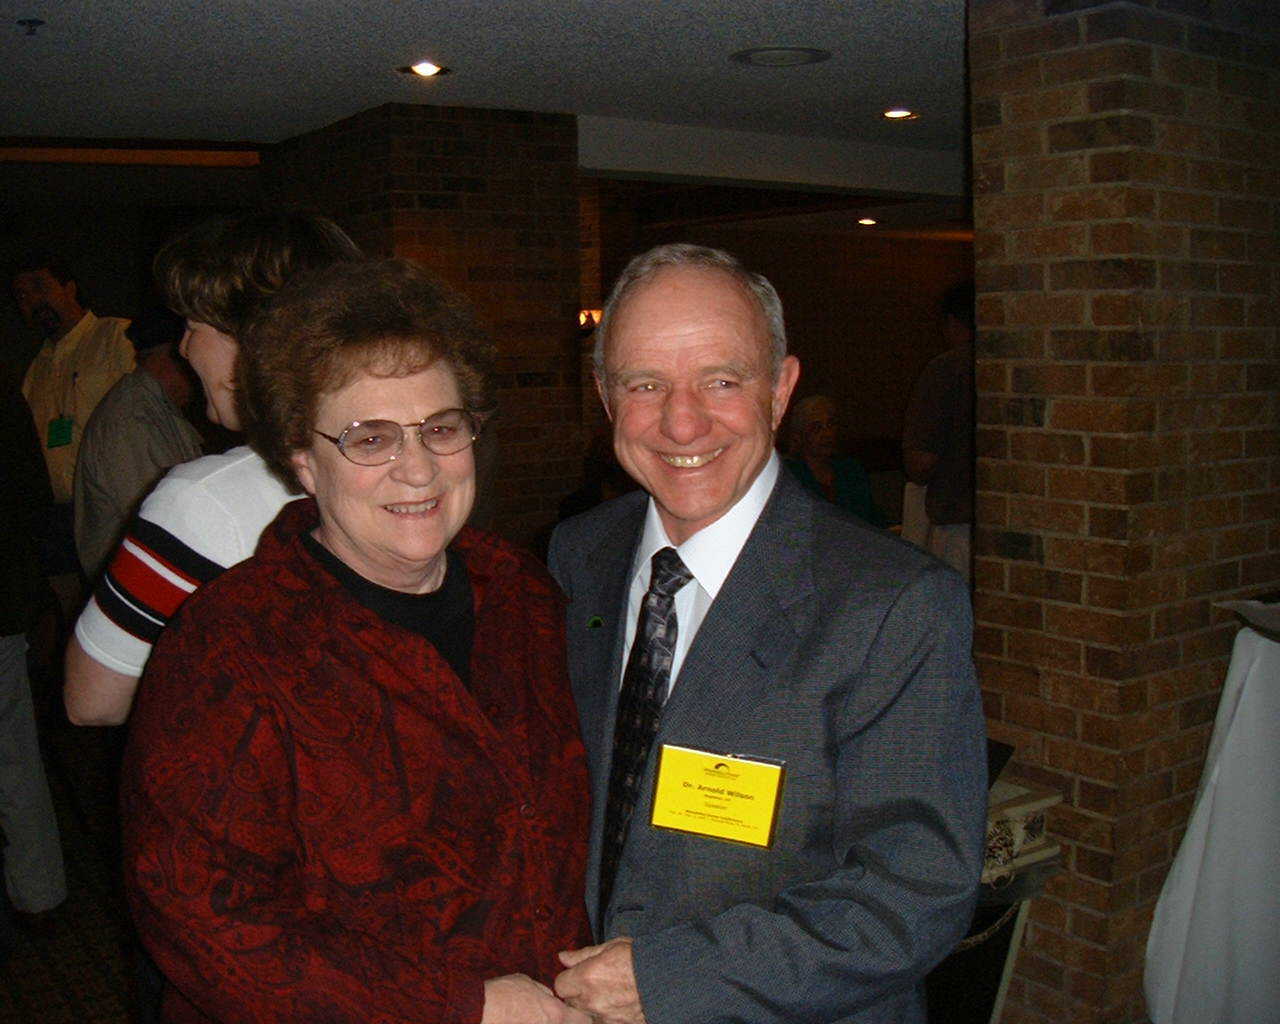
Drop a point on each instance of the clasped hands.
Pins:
(598, 986)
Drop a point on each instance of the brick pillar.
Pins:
(1127, 195)
(488, 200)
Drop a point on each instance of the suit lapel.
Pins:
(603, 630)
(754, 622)
(605, 609)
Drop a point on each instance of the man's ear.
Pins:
(602, 390)
(783, 386)
(304, 466)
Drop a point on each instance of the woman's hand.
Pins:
(518, 999)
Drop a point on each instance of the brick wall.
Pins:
(1127, 188)
(488, 200)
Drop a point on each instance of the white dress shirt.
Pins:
(709, 554)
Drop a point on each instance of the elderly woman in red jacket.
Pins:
(354, 789)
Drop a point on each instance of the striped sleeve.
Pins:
(148, 578)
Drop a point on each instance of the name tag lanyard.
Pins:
(62, 426)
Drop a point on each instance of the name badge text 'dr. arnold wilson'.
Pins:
(721, 796)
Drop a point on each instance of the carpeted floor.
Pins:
(70, 966)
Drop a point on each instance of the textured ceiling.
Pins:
(240, 71)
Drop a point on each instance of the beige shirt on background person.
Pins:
(68, 377)
(132, 439)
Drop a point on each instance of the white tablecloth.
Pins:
(1213, 955)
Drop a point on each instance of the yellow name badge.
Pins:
(717, 795)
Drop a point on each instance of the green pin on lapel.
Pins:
(595, 622)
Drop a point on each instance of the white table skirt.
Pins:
(1213, 955)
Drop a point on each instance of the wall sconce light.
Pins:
(588, 319)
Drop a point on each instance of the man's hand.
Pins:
(601, 981)
(518, 999)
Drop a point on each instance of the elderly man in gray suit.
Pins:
(778, 701)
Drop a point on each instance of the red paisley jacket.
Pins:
(322, 823)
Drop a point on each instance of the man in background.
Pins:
(937, 441)
(137, 432)
(81, 358)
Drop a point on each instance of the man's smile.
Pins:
(689, 461)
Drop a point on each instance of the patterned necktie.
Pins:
(644, 688)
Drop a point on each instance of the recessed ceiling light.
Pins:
(901, 114)
(780, 56)
(424, 69)
(866, 221)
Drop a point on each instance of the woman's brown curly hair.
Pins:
(325, 328)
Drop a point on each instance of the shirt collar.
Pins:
(710, 553)
(80, 328)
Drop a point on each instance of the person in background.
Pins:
(33, 870)
(82, 357)
(136, 433)
(813, 459)
(603, 478)
(204, 515)
(937, 440)
(354, 788)
(778, 701)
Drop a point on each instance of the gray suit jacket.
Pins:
(847, 653)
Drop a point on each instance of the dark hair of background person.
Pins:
(218, 272)
(154, 327)
(42, 259)
(801, 415)
(327, 327)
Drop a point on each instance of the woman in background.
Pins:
(812, 458)
(206, 515)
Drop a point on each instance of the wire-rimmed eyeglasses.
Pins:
(376, 442)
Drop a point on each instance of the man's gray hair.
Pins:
(684, 254)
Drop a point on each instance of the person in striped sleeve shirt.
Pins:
(203, 516)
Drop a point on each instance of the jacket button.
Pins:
(527, 810)
(543, 913)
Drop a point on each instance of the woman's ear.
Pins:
(304, 466)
